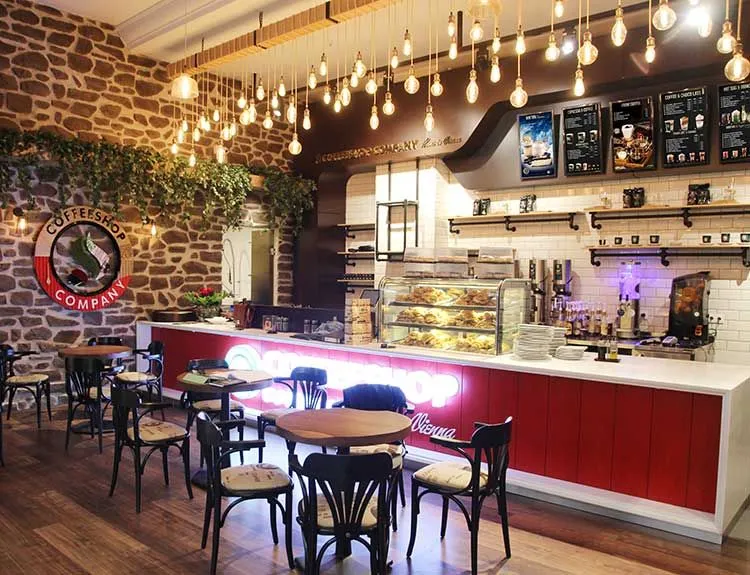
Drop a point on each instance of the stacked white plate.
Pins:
(570, 352)
(558, 339)
(533, 341)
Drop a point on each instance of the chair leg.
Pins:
(444, 518)
(502, 507)
(241, 433)
(186, 463)
(165, 465)
(47, 393)
(474, 526)
(288, 520)
(100, 415)
(115, 467)
(394, 502)
(414, 515)
(11, 394)
(401, 489)
(68, 424)
(215, 541)
(261, 436)
(382, 551)
(138, 478)
(274, 531)
(207, 517)
(38, 401)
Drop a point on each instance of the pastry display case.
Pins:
(467, 315)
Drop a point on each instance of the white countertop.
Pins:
(698, 377)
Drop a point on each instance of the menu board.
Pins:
(536, 133)
(633, 135)
(734, 122)
(583, 140)
(684, 119)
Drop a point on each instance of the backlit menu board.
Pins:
(734, 123)
(583, 140)
(536, 135)
(684, 116)
(633, 135)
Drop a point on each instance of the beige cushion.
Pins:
(254, 477)
(449, 475)
(155, 431)
(325, 517)
(26, 379)
(135, 377)
(215, 405)
(106, 391)
(395, 451)
(274, 414)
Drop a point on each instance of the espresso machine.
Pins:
(629, 308)
(562, 277)
(538, 275)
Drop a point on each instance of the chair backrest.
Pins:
(308, 381)
(105, 340)
(350, 485)
(210, 438)
(490, 443)
(82, 374)
(6, 358)
(201, 364)
(375, 397)
(155, 352)
(124, 403)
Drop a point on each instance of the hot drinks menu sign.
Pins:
(633, 135)
(685, 128)
(583, 140)
(734, 123)
(537, 145)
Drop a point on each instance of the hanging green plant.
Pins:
(115, 175)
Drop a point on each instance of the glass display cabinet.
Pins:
(467, 315)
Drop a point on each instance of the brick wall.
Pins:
(74, 76)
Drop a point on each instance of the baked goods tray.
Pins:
(443, 305)
(442, 327)
(452, 349)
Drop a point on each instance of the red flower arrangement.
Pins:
(206, 297)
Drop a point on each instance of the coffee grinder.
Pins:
(561, 288)
(688, 309)
(629, 308)
(538, 276)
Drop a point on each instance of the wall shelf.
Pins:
(667, 253)
(508, 220)
(349, 257)
(352, 283)
(685, 213)
(350, 228)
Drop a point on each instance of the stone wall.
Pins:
(67, 74)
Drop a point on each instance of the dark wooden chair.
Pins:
(36, 384)
(307, 381)
(243, 483)
(83, 386)
(137, 432)
(452, 480)
(151, 380)
(111, 368)
(345, 497)
(379, 397)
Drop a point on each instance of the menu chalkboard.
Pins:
(734, 122)
(633, 135)
(685, 127)
(583, 140)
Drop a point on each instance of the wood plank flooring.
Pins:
(56, 518)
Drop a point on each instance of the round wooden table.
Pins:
(97, 351)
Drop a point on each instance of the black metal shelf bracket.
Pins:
(452, 228)
(594, 223)
(745, 258)
(572, 222)
(350, 289)
(595, 261)
(663, 256)
(666, 254)
(686, 215)
(508, 227)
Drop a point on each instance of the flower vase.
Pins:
(207, 311)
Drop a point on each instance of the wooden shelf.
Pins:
(362, 227)
(350, 256)
(509, 219)
(665, 253)
(686, 213)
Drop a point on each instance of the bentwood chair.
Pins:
(111, 368)
(243, 483)
(37, 384)
(151, 380)
(136, 431)
(345, 497)
(83, 386)
(308, 381)
(452, 480)
(378, 397)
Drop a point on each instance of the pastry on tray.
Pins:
(423, 294)
(477, 297)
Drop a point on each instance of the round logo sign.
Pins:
(83, 259)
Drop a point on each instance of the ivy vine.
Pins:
(115, 175)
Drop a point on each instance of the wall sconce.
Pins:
(21, 222)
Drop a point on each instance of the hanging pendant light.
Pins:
(520, 42)
(411, 84)
(472, 89)
(374, 120)
(354, 79)
(196, 134)
(619, 30)
(245, 117)
(327, 95)
(579, 88)
(312, 79)
(252, 112)
(568, 45)
(552, 53)
(664, 17)
(184, 87)
(174, 148)
(559, 8)
(282, 87)
(519, 97)
(359, 66)
(738, 67)
(268, 120)
(727, 42)
(407, 49)
(225, 135)
(650, 49)
(495, 74)
(496, 41)
(437, 87)
(337, 104)
(371, 86)
(295, 146)
(274, 99)
(291, 111)
(191, 162)
(451, 25)
(202, 121)
(394, 58)
(241, 101)
(429, 119)
(453, 49)
(388, 106)
(221, 153)
(306, 122)
(260, 92)
(587, 53)
(184, 125)
(346, 95)
(180, 137)
(233, 129)
(476, 33)
(323, 66)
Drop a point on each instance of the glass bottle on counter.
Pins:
(568, 323)
(603, 323)
(613, 353)
(577, 323)
(596, 327)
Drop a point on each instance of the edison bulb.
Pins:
(552, 53)
(520, 42)
(241, 102)
(619, 30)
(221, 154)
(429, 119)
(453, 49)
(225, 135)
(184, 87)
(354, 79)
(216, 116)
(174, 148)
(323, 66)
(706, 25)
(275, 100)
(664, 17)
(568, 44)
(359, 66)
(650, 49)
(202, 121)
(394, 58)
(738, 67)
(437, 87)
(559, 8)
(312, 79)
(282, 87)
(245, 117)
(295, 147)
(291, 113)
(153, 224)
(476, 33)
(579, 88)
(496, 42)
(388, 106)
(407, 43)
(196, 134)
(519, 97)
(306, 123)
(374, 120)
(260, 92)
(268, 120)
(233, 129)
(252, 112)
(587, 53)
(371, 86)
(184, 126)
(191, 162)
(180, 137)
(495, 70)
(411, 84)
(337, 104)
(346, 95)
(327, 95)
(727, 42)
(472, 90)
(451, 25)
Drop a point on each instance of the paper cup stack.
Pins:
(570, 352)
(533, 341)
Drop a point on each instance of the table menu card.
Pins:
(536, 134)
(684, 118)
(583, 140)
(633, 135)
(734, 122)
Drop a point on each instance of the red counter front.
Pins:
(655, 444)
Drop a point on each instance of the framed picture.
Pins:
(582, 137)
(734, 123)
(684, 118)
(536, 134)
(633, 135)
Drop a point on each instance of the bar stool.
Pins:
(37, 384)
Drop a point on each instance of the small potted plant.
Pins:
(207, 301)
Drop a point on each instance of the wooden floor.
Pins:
(55, 517)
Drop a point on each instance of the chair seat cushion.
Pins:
(254, 477)
(325, 517)
(26, 379)
(274, 414)
(396, 452)
(449, 475)
(135, 377)
(215, 405)
(106, 392)
(155, 431)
